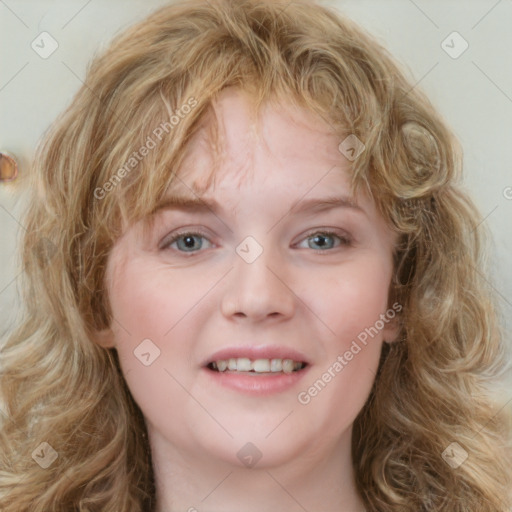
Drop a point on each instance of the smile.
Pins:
(256, 370)
(246, 365)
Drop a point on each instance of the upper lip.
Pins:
(256, 352)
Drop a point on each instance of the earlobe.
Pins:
(391, 330)
(104, 338)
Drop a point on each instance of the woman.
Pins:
(252, 282)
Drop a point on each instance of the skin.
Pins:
(315, 295)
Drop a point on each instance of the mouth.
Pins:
(244, 365)
(257, 370)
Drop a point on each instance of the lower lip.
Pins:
(257, 384)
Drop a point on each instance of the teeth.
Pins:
(261, 365)
(244, 364)
(222, 365)
(288, 366)
(276, 365)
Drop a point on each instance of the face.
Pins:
(282, 282)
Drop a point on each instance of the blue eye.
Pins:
(192, 242)
(322, 238)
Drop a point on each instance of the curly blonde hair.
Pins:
(436, 386)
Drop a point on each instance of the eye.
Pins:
(186, 241)
(324, 238)
(192, 241)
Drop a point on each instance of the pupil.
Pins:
(321, 238)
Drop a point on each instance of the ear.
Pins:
(104, 338)
(391, 329)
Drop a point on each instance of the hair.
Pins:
(437, 385)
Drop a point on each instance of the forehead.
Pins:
(236, 136)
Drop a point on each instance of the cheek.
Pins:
(149, 300)
(349, 304)
(351, 299)
(150, 309)
(154, 325)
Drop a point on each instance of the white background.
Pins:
(473, 92)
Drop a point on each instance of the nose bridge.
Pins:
(257, 288)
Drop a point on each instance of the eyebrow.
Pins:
(203, 205)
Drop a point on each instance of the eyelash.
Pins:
(345, 240)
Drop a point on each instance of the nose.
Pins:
(259, 289)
